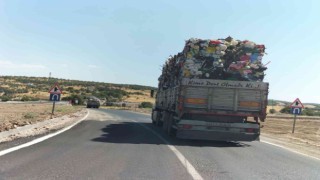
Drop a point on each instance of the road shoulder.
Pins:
(303, 149)
(30, 132)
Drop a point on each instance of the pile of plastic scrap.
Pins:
(203, 58)
(243, 60)
(226, 59)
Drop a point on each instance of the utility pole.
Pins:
(49, 76)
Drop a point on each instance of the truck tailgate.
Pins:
(235, 96)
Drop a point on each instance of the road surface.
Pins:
(115, 144)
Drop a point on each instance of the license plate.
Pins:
(218, 124)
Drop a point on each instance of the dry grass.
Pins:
(306, 137)
(277, 108)
(144, 97)
(14, 115)
(305, 130)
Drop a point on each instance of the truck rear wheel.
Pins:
(158, 119)
(165, 116)
(170, 130)
(154, 117)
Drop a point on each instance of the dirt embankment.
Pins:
(16, 115)
(305, 139)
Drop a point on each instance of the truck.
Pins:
(217, 104)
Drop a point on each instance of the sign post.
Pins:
(55, 93)
(54, 104)
(294, 123)
(296, 109)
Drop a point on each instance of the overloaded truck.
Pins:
(213, 90)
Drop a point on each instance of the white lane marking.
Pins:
(190, 169)
(40, 139)
(286, 148)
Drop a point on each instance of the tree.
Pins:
(25, 98)
(70, 89)
(73, 97)
(146, 105)
(285, 110)
(308, 112)
(272, 111)
(5, 98)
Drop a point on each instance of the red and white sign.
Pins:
(297, 104)
(55, 89)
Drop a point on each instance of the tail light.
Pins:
(250, 130)
(186, 126)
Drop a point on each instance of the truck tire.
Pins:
(158, 119)
(170, 130)
(165, 116)
(154, 117)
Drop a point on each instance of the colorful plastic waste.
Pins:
(226, 59)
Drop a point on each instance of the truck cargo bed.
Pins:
(216, 97)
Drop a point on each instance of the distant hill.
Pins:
(311, 109)
(36, 88)
(273, 102)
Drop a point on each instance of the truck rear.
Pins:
(203, 96)
(212, 109)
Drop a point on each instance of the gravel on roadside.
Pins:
(42, 127)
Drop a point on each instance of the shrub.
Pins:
(146, 105)
(272, 111)
(29, 115)
(29, 98)
(285, 110)
(25, 98)
(308, 112)
(73, 97)
(5, 98)
(136, 93)
(70, 89)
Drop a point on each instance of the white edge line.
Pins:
(190, 169)
(289, 149)
(35, 141)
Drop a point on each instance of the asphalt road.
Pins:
(113, 144)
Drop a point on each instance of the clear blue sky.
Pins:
(128, 41)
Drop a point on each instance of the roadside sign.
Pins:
(55, 97)
(296, 111)
(297, 104)
(55, 93)
(55, 89)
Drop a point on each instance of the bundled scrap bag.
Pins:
(227, 59)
